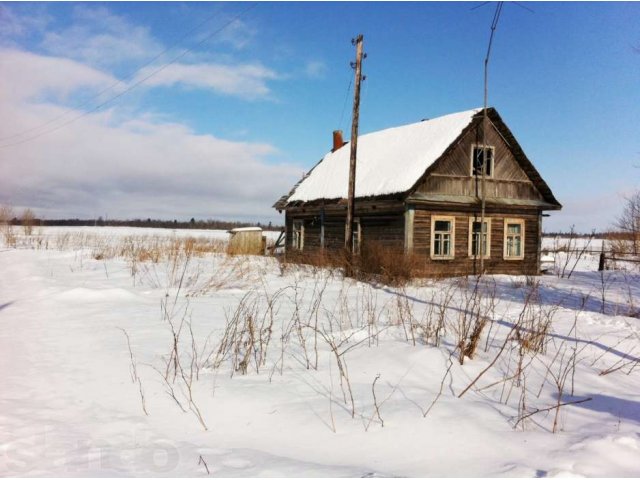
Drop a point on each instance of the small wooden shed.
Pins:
(246, 241)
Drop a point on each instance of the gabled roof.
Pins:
(389, 161)
(394, 160)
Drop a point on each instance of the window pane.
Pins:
(514, 245)
(442, 226)
(514, 228)
(478, 160)
(442, 245)
(475, 244)
(476, 227)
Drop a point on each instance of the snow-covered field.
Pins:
(239, 366)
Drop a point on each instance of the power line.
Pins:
(346, 97)
(99, 94)
(524, 7)
(479, 6)
(485, 161)
(134, 85)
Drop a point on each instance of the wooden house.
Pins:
(418, 188)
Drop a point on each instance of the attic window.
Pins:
(477, 161)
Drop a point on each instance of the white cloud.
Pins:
(101, 38)
(15, 26)
(28, 75)
(136, 166)
(237, 34)
(315, 69)
(245, 81)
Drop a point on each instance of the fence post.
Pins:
(601, 263)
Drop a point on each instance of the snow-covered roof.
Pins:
(245, 229)
(388, 161)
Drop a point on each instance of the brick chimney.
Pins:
(337, 140)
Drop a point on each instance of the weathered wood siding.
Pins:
(382, 222)
(462, 263)
(452, 174)
(388, 228)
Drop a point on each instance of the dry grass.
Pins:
(375, 262)
(28, 221)
(8, 235)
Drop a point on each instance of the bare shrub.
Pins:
(509, 337)
(248, 333)
(339, 345)
(471, 319)
(135, 378)
(533, 324)
(179, 371)
(559, 368)
(322, 258)
(374, 262)
(388, 265)
(28, 221)
(572, 253)
(403, 316)
(6, 216)
(629, 223)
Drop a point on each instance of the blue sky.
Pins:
(228, 127)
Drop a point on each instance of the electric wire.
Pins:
(136, 84)
(346, 97)
(113, 85)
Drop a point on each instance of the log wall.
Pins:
(382, 222)
(462, 263)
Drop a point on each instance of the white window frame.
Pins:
(521, 222)
(487, 221)
(492, 160)
(297, 241)
(452, 239)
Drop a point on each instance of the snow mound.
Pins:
(84, 295)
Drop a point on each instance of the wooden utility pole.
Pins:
(348, 241)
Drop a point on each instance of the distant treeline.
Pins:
(149, 222)
(610, 235)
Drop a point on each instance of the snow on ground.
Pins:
(71, 405)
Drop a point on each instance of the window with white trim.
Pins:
(475, 235)
(478, 160)
(442, 237)
(297, 235)
(513, 239)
